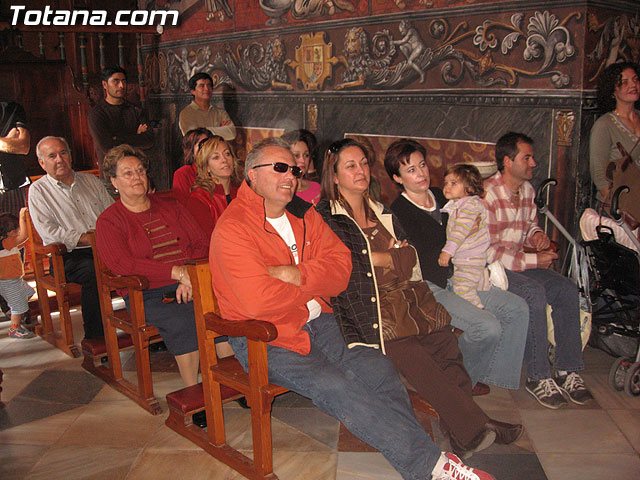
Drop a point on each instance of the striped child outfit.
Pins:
(467, 243)
(13, 288)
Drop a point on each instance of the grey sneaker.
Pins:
(546, 392)
(20, 332)
(573, 386)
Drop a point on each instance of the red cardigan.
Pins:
(183, 180)
(125, 248)
(207, 207)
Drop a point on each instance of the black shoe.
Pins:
(506, 433)
(242, 401)
(200, 419)
(158, 347)
(480, 442)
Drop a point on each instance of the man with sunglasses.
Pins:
(274, 258)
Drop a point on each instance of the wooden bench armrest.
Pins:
(51, 249)
(134, 282)
(257, 330)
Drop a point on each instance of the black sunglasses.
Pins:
(282, 167)
(335, 147)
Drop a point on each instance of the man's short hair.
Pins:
(113, 156)
(107, 72)
(255, 155)
(39, 153)
(507, 146)
(199, 76)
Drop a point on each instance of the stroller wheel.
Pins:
(617, 373)
(632, 380)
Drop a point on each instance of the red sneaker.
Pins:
(450, 467)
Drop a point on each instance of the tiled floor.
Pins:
(61, 423)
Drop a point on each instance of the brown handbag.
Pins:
(409, 308)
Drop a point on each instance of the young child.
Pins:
(467, 232)
(13, 234)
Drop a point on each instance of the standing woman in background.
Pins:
(618, 94)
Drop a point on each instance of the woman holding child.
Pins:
(145, 234)
(503, 318)
(387, 305)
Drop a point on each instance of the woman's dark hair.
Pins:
(398, 154)
(469, 176)
(330, 168)
(294, 136)
(189, 142)
(608, 80)
(8, 222)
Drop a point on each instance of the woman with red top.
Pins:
(144, 234)
(217, 179)
(185, 176)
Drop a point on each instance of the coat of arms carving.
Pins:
(314, 61)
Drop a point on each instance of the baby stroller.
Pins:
(607, 275)
(614, 288)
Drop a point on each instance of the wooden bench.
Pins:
(225, 379)
(41, 256)
(122, 330)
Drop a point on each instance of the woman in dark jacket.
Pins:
(388, 306)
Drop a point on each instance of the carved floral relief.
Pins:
(491, 53)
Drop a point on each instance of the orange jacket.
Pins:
(244, 244)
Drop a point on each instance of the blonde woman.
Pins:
(217, 180)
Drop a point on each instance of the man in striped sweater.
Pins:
(513, 226)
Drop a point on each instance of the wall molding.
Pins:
(628, 6)
(504, 98)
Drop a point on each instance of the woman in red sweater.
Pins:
(145, 234)
(218, 176)
(185, 176)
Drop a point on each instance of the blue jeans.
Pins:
(493, 341)
(358, 386)
(540, 287)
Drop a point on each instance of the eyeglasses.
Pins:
(282, 167)
(129, 174)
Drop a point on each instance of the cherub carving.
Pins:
(182, 67)
(361, 67)
(256, 68)
(411, 46)
(316, 8)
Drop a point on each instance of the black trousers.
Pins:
(79, 268)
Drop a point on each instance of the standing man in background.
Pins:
(201, 113)
(114, 121)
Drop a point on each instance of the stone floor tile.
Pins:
(115, 424)
(364, 466)
(628, 422)
(590, 466)
(46, 431)
(574, 431)
(17, 460)
(84, 463)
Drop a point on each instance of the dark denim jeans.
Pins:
(358, 386)
(538, 288)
